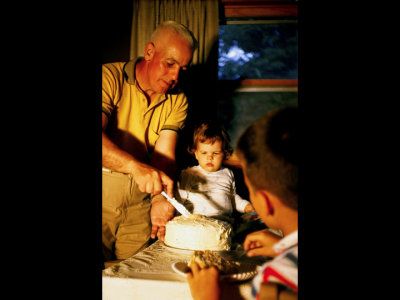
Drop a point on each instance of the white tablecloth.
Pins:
(149, 275)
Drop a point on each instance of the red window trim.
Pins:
(259, 8)
(269, 82)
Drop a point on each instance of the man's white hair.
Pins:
(176, 28)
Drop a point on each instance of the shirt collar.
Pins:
(130, 77)
(129, 70)
(198, 167)
(286, 242)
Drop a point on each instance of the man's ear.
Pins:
(149, 51)
(269, 207)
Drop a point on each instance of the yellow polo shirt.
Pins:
(133, 125)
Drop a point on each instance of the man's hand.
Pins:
(203, 283)
(161, 212)
(151, 180)
(260, 243)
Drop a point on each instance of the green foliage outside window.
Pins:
(258, 51)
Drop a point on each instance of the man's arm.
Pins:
(163, 158)
(148, 178)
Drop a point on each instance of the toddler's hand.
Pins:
(249, 208)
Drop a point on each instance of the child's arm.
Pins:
(203, 283)
(260, 243)
(242, 205)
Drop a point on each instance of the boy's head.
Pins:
(210, 145)
(268, 152)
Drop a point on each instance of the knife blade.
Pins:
(179, 207)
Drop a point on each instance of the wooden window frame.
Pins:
(256, 9)
(259, 8)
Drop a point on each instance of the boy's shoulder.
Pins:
(284, 267)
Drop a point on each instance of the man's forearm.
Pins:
(164, 163)
(116, 159)
(163, 157)
(149, 179)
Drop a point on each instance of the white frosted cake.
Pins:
(198, 233)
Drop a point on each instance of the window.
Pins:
(258, 50)
(258, 42)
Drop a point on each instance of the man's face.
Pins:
(171, 54)
(210, 156)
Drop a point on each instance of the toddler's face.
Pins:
(210, 156)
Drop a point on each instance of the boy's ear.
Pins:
(269, 207)
(149, 50)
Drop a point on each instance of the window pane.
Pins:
(258, 51)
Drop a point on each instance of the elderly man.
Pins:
(141, 120)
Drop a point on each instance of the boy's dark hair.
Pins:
(210, 131)
(269, 149)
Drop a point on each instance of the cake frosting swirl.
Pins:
(198, 233)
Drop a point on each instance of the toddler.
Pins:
(209, 188)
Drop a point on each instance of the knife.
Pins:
(179, 207)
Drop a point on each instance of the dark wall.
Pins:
(116, 30)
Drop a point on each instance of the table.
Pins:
(149, 275)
